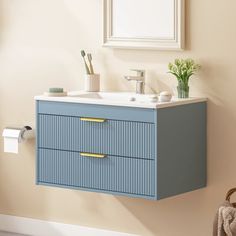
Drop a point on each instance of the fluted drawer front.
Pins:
(112, 173)
(112, 137)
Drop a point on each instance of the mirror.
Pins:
(144, 24)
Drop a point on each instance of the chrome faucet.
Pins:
(139, 78)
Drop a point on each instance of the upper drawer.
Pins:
(111, 137)
(99, 111)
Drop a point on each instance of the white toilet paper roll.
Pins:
(11, 145)
(12, 137)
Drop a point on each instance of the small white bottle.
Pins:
(165, 96)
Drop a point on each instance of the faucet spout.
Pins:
(139, 81)
(135, 78)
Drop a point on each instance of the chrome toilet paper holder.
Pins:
(27, 133)
(14, 136)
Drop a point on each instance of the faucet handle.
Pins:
(140, 73)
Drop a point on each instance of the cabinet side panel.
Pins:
(181, 157)
(37, 141)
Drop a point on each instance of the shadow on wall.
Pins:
(187, 24)
(161, 217)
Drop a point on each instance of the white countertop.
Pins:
(119, 99)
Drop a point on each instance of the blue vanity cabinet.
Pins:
(139, 152)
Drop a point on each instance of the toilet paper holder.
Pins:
(24, 133)
(13, 136)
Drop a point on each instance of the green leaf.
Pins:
(183, 69)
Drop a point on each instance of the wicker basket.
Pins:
(228, 195)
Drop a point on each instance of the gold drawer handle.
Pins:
(85, 154)
(98, 120)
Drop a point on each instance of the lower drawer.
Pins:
(112, 173)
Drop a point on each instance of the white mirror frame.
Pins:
(177, 43)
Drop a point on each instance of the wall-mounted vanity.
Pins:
(103, 142)
(121, 143)
(149, 24)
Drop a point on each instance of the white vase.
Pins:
(92, 83)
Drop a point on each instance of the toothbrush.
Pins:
(83, 54)
(89, 55)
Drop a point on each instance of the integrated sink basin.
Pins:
(119, 99)
(115, 96)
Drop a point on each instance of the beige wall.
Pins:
(40, 43)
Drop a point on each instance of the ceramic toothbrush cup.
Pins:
(92, 83)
